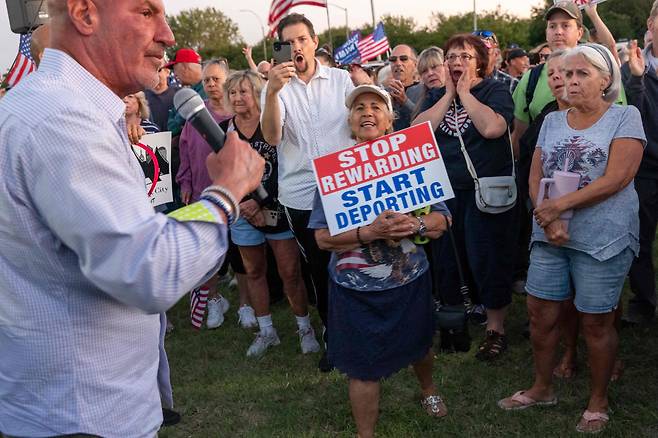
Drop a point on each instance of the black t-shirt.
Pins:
(160, 104)
(491, 157)
(270, 175)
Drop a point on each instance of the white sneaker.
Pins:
(224, 305)
(262, 343)
(247, 317)
(217, 307)
(307, 341)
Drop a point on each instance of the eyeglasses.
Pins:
(402, 58)
(544, 56)
(464, 57)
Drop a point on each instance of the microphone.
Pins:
(190, 106)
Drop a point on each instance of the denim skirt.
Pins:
(374, 334)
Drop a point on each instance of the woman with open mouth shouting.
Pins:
(470, 116)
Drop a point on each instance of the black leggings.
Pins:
(314, 260)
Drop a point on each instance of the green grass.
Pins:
(221, 393)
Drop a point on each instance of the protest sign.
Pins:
(403, 171)
(154, 153)
(581, 3)
(349, 51)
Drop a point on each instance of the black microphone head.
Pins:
(188, 102)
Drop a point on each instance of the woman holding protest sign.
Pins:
(471, 115)
(381, 305)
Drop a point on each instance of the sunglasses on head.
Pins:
(486, 35)
(402, 58)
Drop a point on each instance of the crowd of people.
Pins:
(573, 112)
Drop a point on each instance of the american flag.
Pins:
(374, 44)
(280, 8)
(198, 303)
(23, 64)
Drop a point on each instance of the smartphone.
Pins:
(271, 217)
(282, 52)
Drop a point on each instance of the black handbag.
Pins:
(451, 319)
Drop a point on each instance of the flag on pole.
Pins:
(23, 64)
(374, 44)
(349, 51)
(198, 303)
(280, 9)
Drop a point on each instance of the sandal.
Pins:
(592, 422)
(492, 347)
(434, 406)
(565, 370)
(518, 402)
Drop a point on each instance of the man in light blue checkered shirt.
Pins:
(85, 263)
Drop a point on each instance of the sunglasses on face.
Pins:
(402, 58)
(544, 56)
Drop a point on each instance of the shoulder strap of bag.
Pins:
(463, 287)
(533, 80)
(469, 163)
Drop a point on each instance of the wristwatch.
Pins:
(422, 228)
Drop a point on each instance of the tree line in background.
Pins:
(213, 34)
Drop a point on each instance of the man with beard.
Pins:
(403, 67)
(304, 114)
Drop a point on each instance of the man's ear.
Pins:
(83, 14)
(316, 40)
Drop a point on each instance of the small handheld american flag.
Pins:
(198, 303)
(23, 64)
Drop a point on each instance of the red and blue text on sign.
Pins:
(402, 171)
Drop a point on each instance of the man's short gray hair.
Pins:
(602, 60)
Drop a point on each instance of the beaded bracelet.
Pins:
(224, 205)
(358, 236)
(227, 194)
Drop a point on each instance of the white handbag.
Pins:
(494, 194)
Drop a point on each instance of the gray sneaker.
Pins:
(262, 343)
(307, 341)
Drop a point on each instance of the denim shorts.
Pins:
(244, 234)
(555, 272)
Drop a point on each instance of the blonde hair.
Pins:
(143, 109)
(430, 57)
(654, 10)
(236, 79)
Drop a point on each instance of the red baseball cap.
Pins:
(185, 55)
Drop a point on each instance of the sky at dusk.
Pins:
(359, 13)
